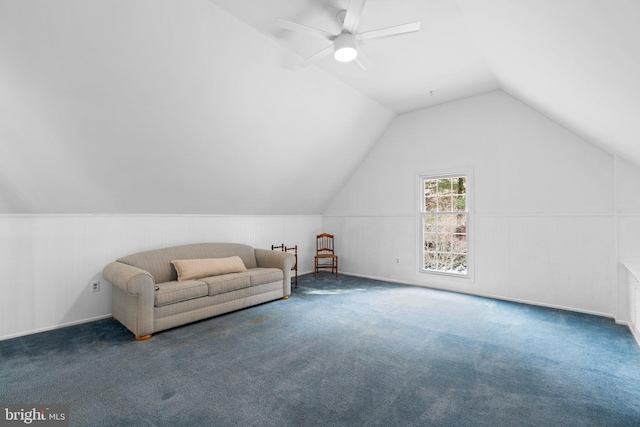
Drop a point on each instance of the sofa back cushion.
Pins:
(158, 261)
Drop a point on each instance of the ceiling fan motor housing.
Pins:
(344, 47)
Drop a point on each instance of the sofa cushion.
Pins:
(172, 292)
(189, 269)
(227, 282)
(260, 276)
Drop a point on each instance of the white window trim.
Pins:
(446, 173)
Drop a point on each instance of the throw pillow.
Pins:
(191, 269)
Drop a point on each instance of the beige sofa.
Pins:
(149, 297)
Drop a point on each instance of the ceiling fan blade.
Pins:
(294, 26)
(324, 52)
(352, 19)
(363, 60)
(389, 32)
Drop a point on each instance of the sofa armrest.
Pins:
(281, 260)
(128, 278)
(275, 259)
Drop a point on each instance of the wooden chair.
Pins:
(324, 251)
(293, 250)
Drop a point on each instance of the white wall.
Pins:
(543, 221)
(48, 261)
(628, 228)
(551, 237)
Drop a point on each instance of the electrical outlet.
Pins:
(95, 286)
(397, 260)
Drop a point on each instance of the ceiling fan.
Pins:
(345, 44)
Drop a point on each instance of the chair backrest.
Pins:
(292, 249)
(324, 243)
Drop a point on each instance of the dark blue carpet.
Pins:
(340, 352)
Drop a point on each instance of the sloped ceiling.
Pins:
(439, 63)
(575, 61)
(197, 106)
(164, 106)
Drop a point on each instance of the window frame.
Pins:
(466, 172)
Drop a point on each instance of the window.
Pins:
(445, 216)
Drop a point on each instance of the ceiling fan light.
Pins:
(345, 48)
(345, 54)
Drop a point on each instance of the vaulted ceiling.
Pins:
(442, 62)
(196, 106)
(575, 61)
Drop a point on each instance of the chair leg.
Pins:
(143, 338)
(334, 266)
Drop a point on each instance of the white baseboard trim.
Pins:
(52, 328)
(497, 297)
(382, 279)
(77, 322)
(300, 273)
(635, 336)
(631, 329)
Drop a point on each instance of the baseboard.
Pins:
(77, 322)
(635, 336)
(300, 273)
(382, 279)
(633, 332)
(631, 329)
(497, 297)
(53, 328)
